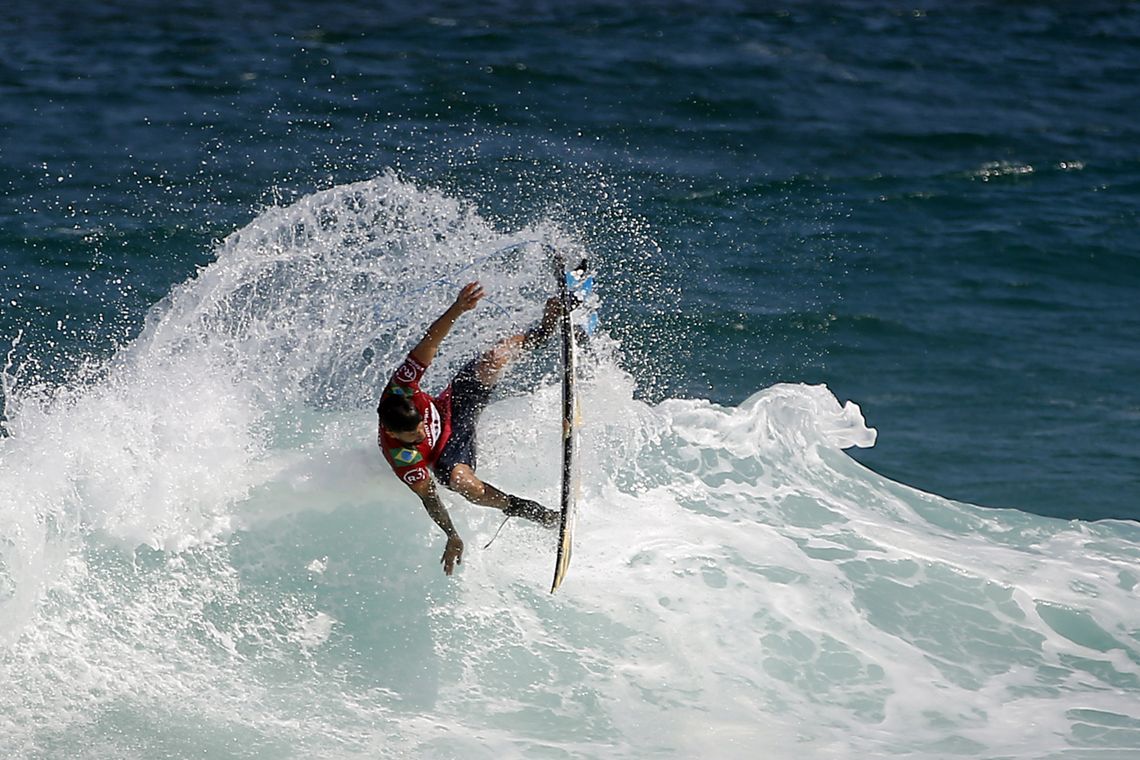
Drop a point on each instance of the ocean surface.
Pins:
(860, 426)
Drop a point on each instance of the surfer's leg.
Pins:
(490, 365)
(465, 482)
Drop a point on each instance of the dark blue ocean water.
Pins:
(932, 208)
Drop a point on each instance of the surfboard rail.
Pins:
(570, 476)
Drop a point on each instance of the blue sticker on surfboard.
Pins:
(583, 299)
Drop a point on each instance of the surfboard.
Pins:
(575, 290)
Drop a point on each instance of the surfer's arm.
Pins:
(426, 349)
(453, 554)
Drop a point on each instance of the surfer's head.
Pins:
(398, 416)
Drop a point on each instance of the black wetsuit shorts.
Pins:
(469, 397)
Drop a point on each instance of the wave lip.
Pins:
(801, 414)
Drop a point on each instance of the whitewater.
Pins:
(202, 553)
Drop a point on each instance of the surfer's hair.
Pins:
(398, 414)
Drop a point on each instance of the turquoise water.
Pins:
(860, 427)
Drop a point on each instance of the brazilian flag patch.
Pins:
(399, 390)
(406, 457)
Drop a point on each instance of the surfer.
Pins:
(421, 436)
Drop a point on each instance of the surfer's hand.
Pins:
(469, 296)
(452, 555)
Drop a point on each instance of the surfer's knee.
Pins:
(464, 482)
(494, 361)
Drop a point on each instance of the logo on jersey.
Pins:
(406, 373)
(415, 476)
(434, 424)
(406, 457)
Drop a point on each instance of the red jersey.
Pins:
(412, 462)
